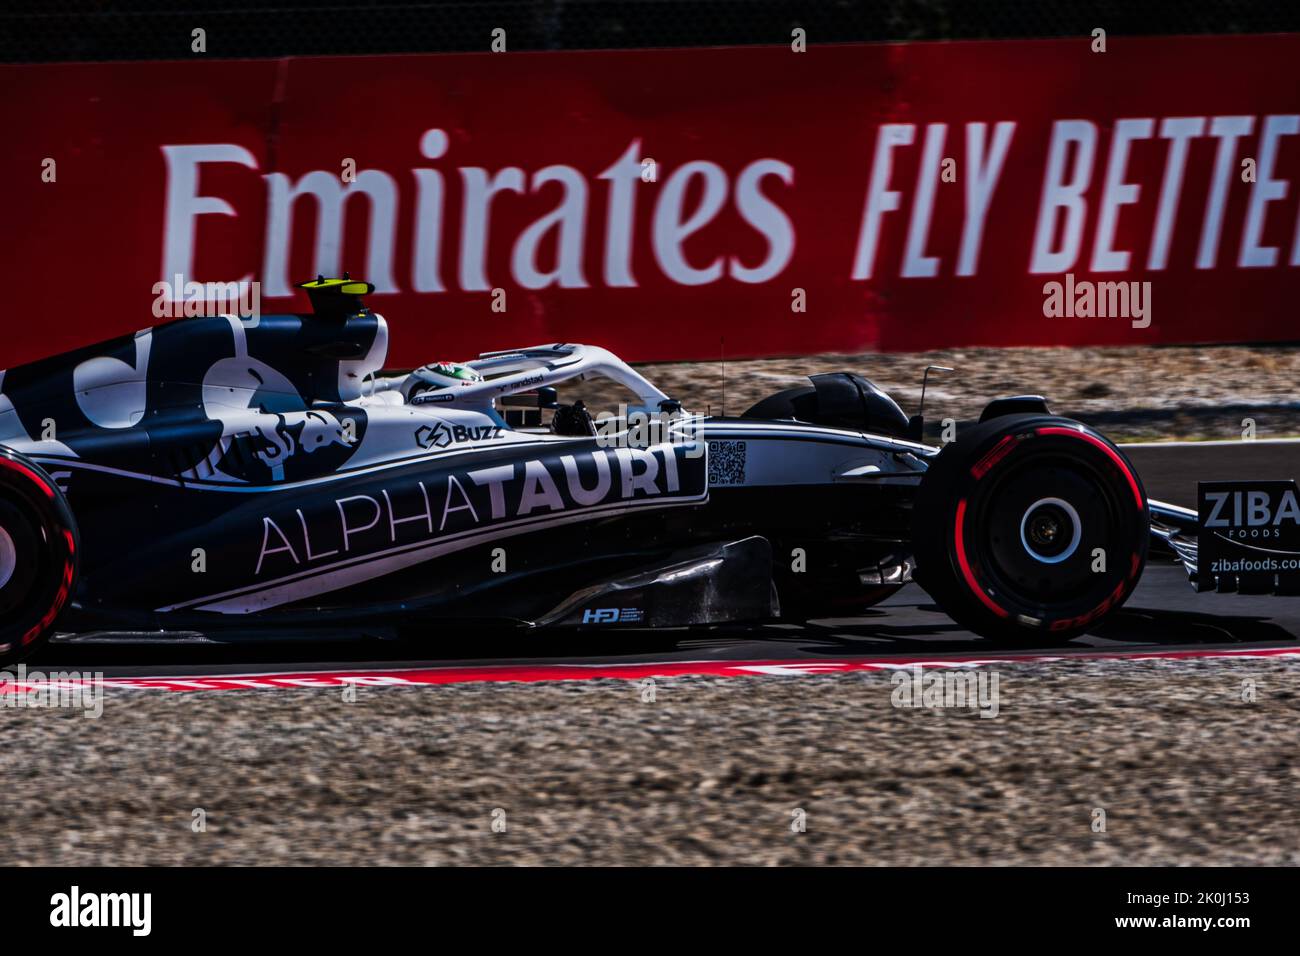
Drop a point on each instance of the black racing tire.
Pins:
(1008, 522)
(39, 549)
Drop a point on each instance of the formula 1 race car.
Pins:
(219, 476)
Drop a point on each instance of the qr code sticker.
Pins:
(726, 463)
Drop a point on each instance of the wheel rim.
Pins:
(8, 557)
(1051, 530)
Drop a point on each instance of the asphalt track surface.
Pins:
(1163, 614)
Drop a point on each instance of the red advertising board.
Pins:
(674, 203)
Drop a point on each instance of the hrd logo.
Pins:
(613, 615)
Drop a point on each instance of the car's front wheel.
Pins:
(38, 555)
(1030, 528)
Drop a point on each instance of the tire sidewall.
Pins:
(41, 525)
(952, 522)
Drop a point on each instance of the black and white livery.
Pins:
(228, 476)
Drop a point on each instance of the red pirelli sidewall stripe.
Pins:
(28, 474)
(966, 572)
(1113, 455)
(69, 566)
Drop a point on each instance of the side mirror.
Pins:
(916, 424)
(916, 428)
(548, 397)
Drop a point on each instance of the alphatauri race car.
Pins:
(225, 476)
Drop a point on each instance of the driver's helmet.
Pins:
(437, 377)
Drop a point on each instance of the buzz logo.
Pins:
(441, 434)
(613, 615)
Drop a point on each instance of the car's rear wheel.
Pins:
(1030, 528)
(38, 555)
